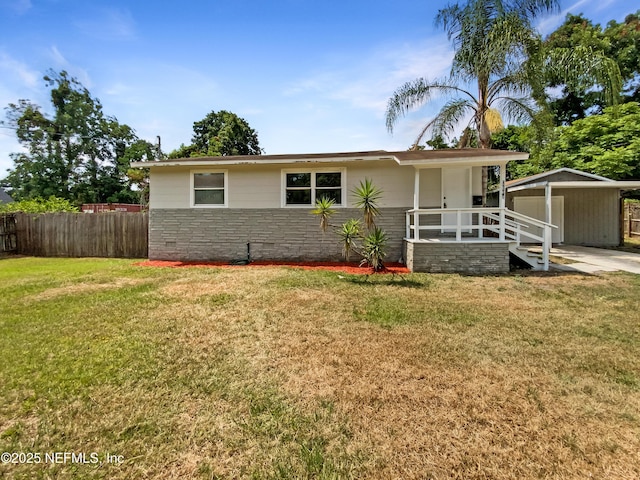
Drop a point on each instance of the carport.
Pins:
(586, 208)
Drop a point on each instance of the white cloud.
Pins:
(369, 83)
(550, 23)
(60, 62)
(18, 6)
(13, 68)
(109, 24)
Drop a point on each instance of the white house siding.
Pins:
(591, 215)
(170, 188)
(260, 186)
(254, 214)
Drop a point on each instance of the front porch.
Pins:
(473, 240)
(464, 238)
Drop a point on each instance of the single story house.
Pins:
(227, 208)
(586, 208)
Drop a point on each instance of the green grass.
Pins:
(275, 373)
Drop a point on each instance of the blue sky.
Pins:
(309, 76)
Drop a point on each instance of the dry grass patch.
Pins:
(282, 373)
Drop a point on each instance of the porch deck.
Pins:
(479, 226)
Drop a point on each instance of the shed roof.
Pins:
(577, 179)
(418, 158)
(540, 177)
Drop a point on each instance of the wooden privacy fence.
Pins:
(7, 233)
(113, 234)
(632, 219)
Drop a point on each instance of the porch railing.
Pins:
(472, 224)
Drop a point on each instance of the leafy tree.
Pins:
(516, 138)
(220, 133)
(624, 41)
(618, 44)
(607, 144)
(78, 153)
(576, 99)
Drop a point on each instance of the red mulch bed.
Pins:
(331, 266)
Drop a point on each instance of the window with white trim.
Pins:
(209, 189)
(303, 188)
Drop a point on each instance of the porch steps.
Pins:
(528, 255)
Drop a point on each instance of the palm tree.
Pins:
(498, 65)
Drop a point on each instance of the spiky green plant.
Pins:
(324, 209)
(367, 197)
(349, 233)
(374, 247)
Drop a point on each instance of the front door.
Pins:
(456, 193)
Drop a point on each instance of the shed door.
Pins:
(456, 193)
(534, 207)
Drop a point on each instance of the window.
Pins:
(209, 189)
(304, 188)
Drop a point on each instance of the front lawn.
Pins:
(278, 373)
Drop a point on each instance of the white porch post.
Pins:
(502, 198)
(416, 189)
(546, 248)
(416, 204)
(547, 202)
(503, 177)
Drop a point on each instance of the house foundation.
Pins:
(486, 257)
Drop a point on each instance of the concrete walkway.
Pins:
(590, 260)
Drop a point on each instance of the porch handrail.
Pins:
(510, 225)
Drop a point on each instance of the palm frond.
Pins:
(516, 110)
(414, 94)
(584, 67)
(451, 114)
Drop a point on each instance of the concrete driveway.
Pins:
(590, 259)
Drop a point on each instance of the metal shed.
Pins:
(585, 208)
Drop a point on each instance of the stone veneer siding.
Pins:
(291, 234)
(452, 257)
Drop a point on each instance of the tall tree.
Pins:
(493, 40)
(78, 153)
(220, 133)
(577, 98)
(607, 144)
(617, 49)
(624, 41)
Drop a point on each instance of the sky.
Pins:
(309, 76)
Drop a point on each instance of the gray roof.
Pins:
(571, 174)
(4, 196)
(414, 157)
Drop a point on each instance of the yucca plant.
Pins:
(374, 247)
(349, 234)
(370, 242)
(367, 196)
(324, 209)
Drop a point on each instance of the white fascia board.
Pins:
(529, 186)
(208, 164)
(461, 162)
